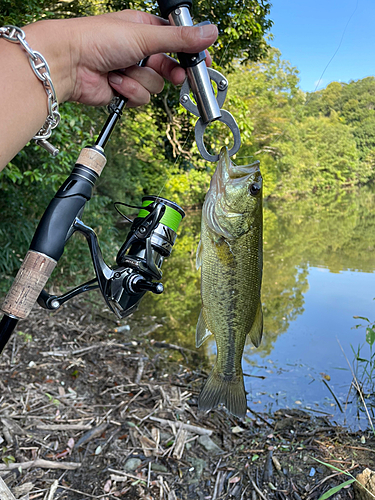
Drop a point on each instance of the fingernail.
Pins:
(115, 78)
(207, 31)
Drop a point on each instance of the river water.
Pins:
(319, 264)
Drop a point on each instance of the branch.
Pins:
(5, 493)
(44, 464)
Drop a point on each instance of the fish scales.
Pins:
(230, 254)
(231, 306)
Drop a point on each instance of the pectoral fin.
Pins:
(198, 261)
(257, 328)
(202, 332)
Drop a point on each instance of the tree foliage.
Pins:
(308, 144)
(20, 12)
(152, 152)
(355, 104)
(241, 25)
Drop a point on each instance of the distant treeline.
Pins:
(307, 143)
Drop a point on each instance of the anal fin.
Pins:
(202, 332)
(257, 327)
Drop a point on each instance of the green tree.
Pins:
(19, 13)
(265, 98)
(325, 101)
(241, 25)
(354, 103)
(319, 154)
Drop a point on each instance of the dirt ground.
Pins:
(90, 408)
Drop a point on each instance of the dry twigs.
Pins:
(180, 425)
(5, 493)
(39, 462)
(118, 418)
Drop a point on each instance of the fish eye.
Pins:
(254, 189)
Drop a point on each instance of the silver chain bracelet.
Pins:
(41, 69)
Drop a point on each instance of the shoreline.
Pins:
(75, 391)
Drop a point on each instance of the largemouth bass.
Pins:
(230, 255)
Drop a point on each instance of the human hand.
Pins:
(100, 55)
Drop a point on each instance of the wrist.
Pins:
(52, 39)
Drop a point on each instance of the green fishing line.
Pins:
(171, 217)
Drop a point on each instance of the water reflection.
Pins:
(317, 256)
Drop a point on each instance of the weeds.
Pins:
(365, 368)
(336, 489)
(355, 383)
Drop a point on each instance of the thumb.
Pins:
(155, 39)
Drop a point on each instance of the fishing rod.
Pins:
(150, 240)
(153, 232)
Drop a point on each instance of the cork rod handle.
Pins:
(29, 282)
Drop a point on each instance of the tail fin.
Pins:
(231, 393)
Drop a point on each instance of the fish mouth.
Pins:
(229, 172)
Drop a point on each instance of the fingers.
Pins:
(158, 39)
(202, 37)
(136, 94)
(147, 77)
(117, 40)
(121, 44)
(208, 58)
(169, 68)
(136, 16)
(136, 84)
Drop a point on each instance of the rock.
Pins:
(367, 480)
(209, 445)
(292, 412)
(132, 464)
(158, 468)
(199, 466)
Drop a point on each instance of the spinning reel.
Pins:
(139, 260)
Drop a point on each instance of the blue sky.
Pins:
(308, 32)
